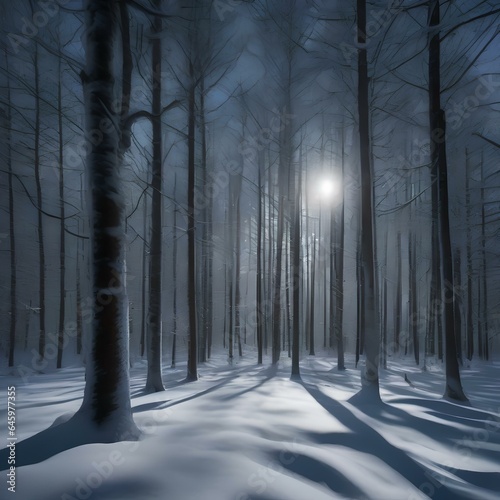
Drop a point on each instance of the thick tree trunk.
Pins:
(106, 397)
(154, 381)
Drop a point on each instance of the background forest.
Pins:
(285, 173)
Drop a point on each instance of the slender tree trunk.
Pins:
(312, 298)
(154, 381)
(370, 311)
(62, 239)
(437, 124)
(399, 298)
(237, 292)
(192, 369)
(276, 332)
(39, 200)
(485, 267)
(174, 283)
(144, 314)
(457, 312)
(412, 252)
(79, 318)
(339, 276)
(12, 229)
(259, 273)
(470, 325)
(296, 271)
(287, 332)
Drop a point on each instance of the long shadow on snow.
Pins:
(160, 405)
(478, 422)
(365, 439)
(65, 436)
(321, 473)
(269, 373)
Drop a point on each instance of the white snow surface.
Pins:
(246, 432)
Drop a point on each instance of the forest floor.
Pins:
(246, 432)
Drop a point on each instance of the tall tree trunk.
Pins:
(106, 398)
(39, 200)
(144, 280)
(288, 329)
(312, 297)
(457, 312)
(296, 274)
(370, 311)
(259, 273)
(12, 227)
(470, 325)
(339, 275)
(276, 332)
(485, 268)
(62, 239)
(154, 381)
(437, 127)
(192, 367)
(237, 250)
(399, 297)
(174, 282)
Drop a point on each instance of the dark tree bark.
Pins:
(154, 381)
(12, 226)
(312, 297)
(484, 311)
(339, 275)
(39, 201)
(259, 273)
(174, 283)
(296, 272)
(371, 327)
(62, 239)
(106, 398)
(192, 367)
(457, 304)
(399, 297)
(437, 126)
(469, 322)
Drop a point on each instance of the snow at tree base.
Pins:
(249, 250)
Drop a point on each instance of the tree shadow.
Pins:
(365, 439)
(59, 437)
(318, 472)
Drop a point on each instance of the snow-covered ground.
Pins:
(248, 432)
